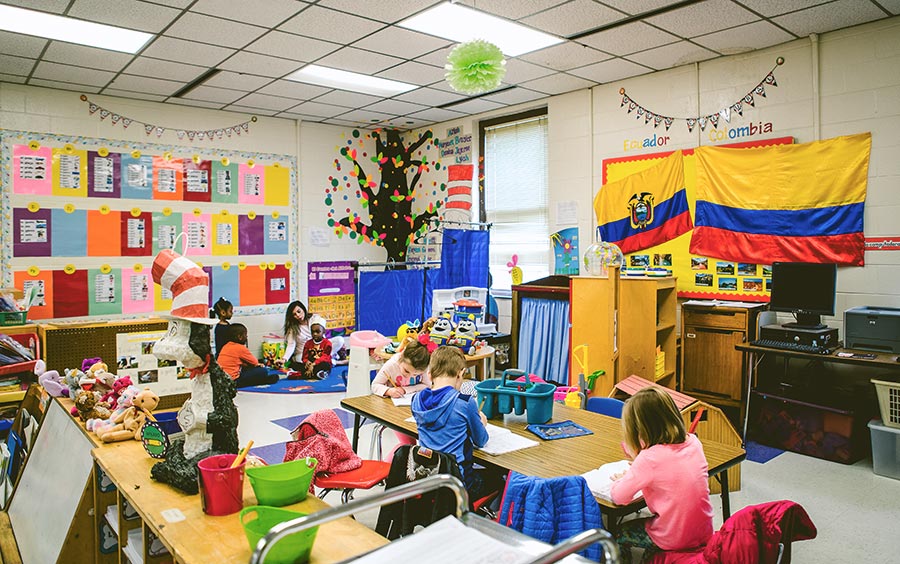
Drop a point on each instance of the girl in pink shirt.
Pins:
(670, 469)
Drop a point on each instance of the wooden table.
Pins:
(482, 360)
(551, 459)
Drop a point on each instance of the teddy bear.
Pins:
(123, 402)
(112, 396)
(127, 424)
(103, 379)
(88, 406)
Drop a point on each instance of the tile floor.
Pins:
(856, 512)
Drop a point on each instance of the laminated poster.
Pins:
(197, 232)
(137, 175)
(251, 240)
(277, 230)
(252, 184)
(223, 234)
(104, 174)
(104, 288)
(198, 180)
(165, 236)
(223, 182)
(134, 358)
(33, 230)
(69, 233)
(69, 171)
(278, 285)
(27, 285)
(166, 180)
(32, 167)
(32, 233)
(137, 291)
(136, 233)
(31, 170)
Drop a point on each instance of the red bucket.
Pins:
(221, 487)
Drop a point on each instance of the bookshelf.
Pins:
(594, 309)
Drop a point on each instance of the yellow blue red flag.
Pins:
(788, 203)
(646, 208)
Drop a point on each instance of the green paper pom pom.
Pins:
(475, 67)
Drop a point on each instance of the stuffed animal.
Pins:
(103, 379)
(88, 406)
(442, 330)
(50, 380)
(465, 334)
(72, 379)
(112, 396)
(128, 423)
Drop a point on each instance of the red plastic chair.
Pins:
(370, 474)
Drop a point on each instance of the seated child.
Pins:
(450, 422)
(239, 363)
(316, 350)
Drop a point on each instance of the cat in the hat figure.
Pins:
(209, 418)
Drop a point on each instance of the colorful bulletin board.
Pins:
(82, 220)
(698, 277)
(332, 291)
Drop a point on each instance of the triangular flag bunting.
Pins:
(200, 135)
(237, 130)
(726, 114)
(148, 128)
(228, 131)
(748, 99)
(691, 122)
(770, 79)
(714, 120)
(738, 107)
(104, 113)
(159, 131)
(640, 112)
(115, 118)
(219, 133)
(668, 121)
(180, 133)
(657, 120)
(647, 117)
(126, 122)
(624, 100)
(191, 135)
(760, 91)
(92, 107)
(631, 107)
(245, 126)
(702, 122)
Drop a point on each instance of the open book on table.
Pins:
(404, 400)
(501, 440)
(600, 481)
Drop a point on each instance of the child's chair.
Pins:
(606, 406)
(367, 476)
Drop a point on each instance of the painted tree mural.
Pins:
(392, 209)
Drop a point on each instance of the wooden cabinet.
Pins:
(549, 288)
(647, 325)
(594, 312)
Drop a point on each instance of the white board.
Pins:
(50, 489)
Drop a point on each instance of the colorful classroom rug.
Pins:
(272, 454)
(290, 422)
(761, 453)
(336, 382)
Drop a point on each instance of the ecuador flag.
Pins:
(790, 203)
(644, 209)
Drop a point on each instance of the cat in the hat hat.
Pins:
(209, 418)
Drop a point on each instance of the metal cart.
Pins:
(542, 552)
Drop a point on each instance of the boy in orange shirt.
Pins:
(239, 363)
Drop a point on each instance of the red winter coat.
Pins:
(750, 536)
(322, 436)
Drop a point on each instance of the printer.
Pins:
(872, 328)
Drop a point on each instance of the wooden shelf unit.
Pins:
(554, 287)
(647, 320)
(594, 305)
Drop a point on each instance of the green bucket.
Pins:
(258, 519)
(284, 483)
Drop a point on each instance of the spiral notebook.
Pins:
(561, 430)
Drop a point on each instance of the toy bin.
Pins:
(499, 396)
(282, 484)
(885, 450)
(258, 519)
(888, 402)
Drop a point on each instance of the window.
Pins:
(514, 196)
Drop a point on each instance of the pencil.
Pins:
(241, 455)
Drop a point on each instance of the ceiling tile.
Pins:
(195, 103)
(629, 38)
(318, 109)
(210, 94)
(248, 110)
(291, 46)
(301, 117)
(430, 96)
(267, 102)
(702, 18)
(436, 114)
(64, 85)
(90, 57)
(69, 73)
(215, 31)
(836, 15)
(292, 89)
(145, 84)
(129, 14)
(365, 116)
(610, 71)
(389, 12)
(52, 6)
(557, 84)
(436, 58)
(357, 60)
(264, 65)
(513, 9)
(893, 6)
(414, 73)
(21, 45)
(134, 95)
(475, 106)
(275, 12)
(515, 96)
(16, 65)
(520, 71)
(347, 123)
(158, 68)
(401, 42)
(633, 7)
(237, 81)
(673, 55)
(12, 78)
(565, 56)
(171, 49)
(330, 25)
(573, 17)
(744, 38)
(771, 8)
(347, 99)
(395, 107)
(172, 3)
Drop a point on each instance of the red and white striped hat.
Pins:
(188, 283)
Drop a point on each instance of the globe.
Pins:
(600, 256)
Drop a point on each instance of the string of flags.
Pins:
(712, 119)
(201, 134)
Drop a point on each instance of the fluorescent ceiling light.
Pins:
(345, 80)
(459, 23)
(29, 22)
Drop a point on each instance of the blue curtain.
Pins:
(464, 258)
(544, 339)
(389, 299)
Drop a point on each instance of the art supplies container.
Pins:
(221, 487)
(282, 484)
(168, 423)
(499, 396)
(258, 519)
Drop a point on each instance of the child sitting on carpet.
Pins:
(239, 363)
(316, 350)
(223, 310)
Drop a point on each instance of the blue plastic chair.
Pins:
(606, 406)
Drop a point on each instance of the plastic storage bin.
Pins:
(885, 450)
(282, 484)
(888, 402)
(258, 519)
(499, 396)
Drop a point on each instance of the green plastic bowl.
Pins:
(284, 483)
(258, 519)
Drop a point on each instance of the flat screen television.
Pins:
(804, 289)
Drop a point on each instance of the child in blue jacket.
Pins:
(448, 421)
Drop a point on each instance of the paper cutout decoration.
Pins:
(70, 293)
(136, 234)
(197, 181)
(224, 182)
(69, 172)
(253, 286)
(104, 175)
(250, 235)
(225, 236)
(104, 291)
(104, 233)
(226, 284)
(168, 179)
(32, 231)
(43, 307)
(137, 176)
(278, 185)
(32, 169)
(69, 233)
(198, 234)
(251, 184)
(278, 285)
(276, 235)
(565, 251)
(137, 291)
